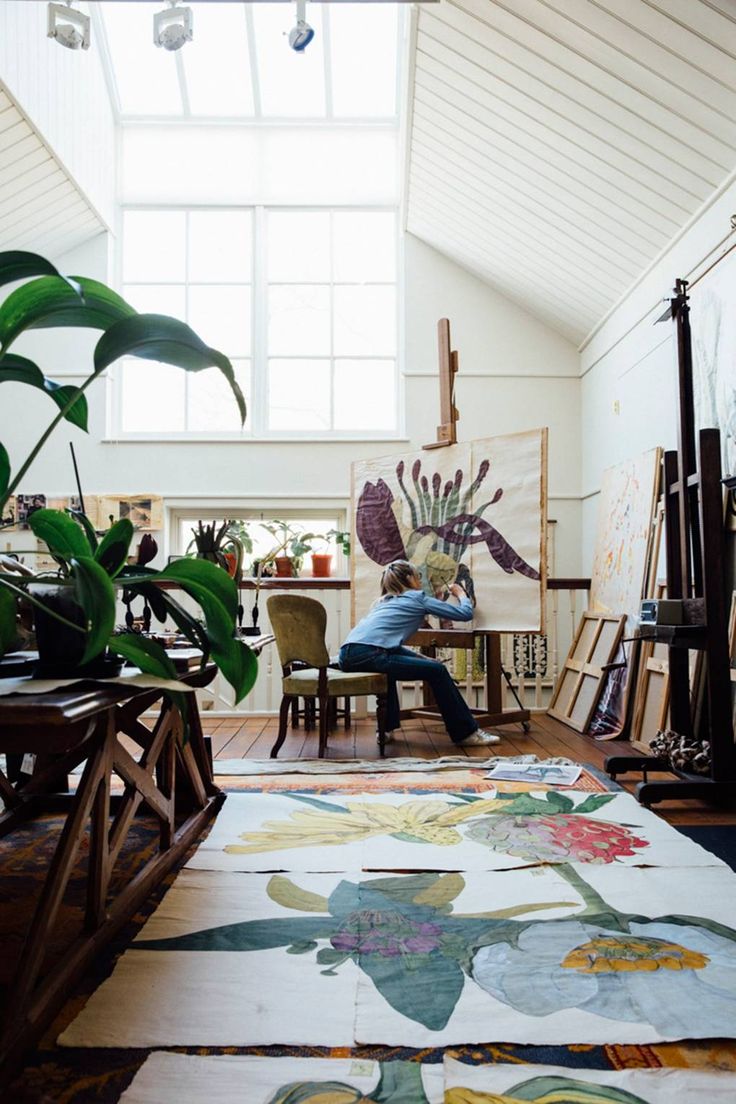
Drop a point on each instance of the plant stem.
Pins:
(592, 899)
(35, 602)
(44, 438)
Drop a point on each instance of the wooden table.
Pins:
(494, 715)
(84, 724)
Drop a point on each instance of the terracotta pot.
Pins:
(321, 564)
(284, 567)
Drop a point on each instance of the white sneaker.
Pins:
(388, 737)
(480, 737)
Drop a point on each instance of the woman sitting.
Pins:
(375, 644)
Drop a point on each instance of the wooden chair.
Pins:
(299, 627)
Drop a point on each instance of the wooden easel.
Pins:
(693, 496)
(447, 430)
(428, 640)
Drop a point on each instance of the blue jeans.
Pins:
(404, 665)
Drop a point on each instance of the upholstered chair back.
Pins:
(299, 626)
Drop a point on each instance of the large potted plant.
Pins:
(82, 595)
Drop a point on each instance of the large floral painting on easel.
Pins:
(471, 513)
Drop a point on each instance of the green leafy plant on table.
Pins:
(79, 598)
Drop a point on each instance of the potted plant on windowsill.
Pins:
(81, 600)
(291, 547)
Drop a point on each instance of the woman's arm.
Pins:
(463, 612)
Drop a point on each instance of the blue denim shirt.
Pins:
(393, 620)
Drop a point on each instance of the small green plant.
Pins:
(291, 541)
(341, 538)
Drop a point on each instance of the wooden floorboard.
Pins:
(254, 737)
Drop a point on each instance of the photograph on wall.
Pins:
(713, 325)
(472, 514)
(145, 511)
(25, 505)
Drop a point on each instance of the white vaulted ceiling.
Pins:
(41, 209)
(556, 146)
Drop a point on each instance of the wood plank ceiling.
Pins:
(41, 209)
(556, 146)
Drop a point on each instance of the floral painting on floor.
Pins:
(191, 1079)
(507, 1084)
(452, 831)
(549, 955)
(473, 514)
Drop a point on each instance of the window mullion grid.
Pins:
(186, 308)
(332, 321)
(260, 370)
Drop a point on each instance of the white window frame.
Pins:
(256, 426)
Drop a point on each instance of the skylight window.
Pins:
(239, 65)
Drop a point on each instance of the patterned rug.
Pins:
(84, 1076)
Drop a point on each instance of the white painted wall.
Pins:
(628, 368)
(64, 95)
(515, 374)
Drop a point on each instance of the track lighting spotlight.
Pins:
(302, 34)
(70, 28)
(172, 28)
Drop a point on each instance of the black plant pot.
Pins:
(60, 649)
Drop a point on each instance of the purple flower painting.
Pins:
(456, 518)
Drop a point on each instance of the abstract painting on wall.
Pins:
(713, 324)
(471, 513)
(623, 542)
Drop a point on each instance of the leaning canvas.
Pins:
(472, 513)
(713, 324)
(623, 543)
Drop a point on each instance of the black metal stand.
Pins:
(695, 545)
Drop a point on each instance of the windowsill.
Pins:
(188, 439)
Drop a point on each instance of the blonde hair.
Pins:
(396, 578)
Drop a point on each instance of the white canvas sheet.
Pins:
(190, 1079)
(481, 505)
(302, 832)
(632, 968)
(662, 1086)
(218, 997)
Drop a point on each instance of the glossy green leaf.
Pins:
(18, 265)
(144, 653)
(87, 525)
(112, 551)
(95, 593)
(164, 605)
(63, 537)
(8, 630)
(17, 369)
(50, 301)
(204, 575)
(158, 337)
(4, 469)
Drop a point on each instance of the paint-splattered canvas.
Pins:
(450, 831)
(519, 1084)
(472, 513)
(195, 1079)
(713, 325)
(624, 534)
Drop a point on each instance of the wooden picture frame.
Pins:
(582, 677)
